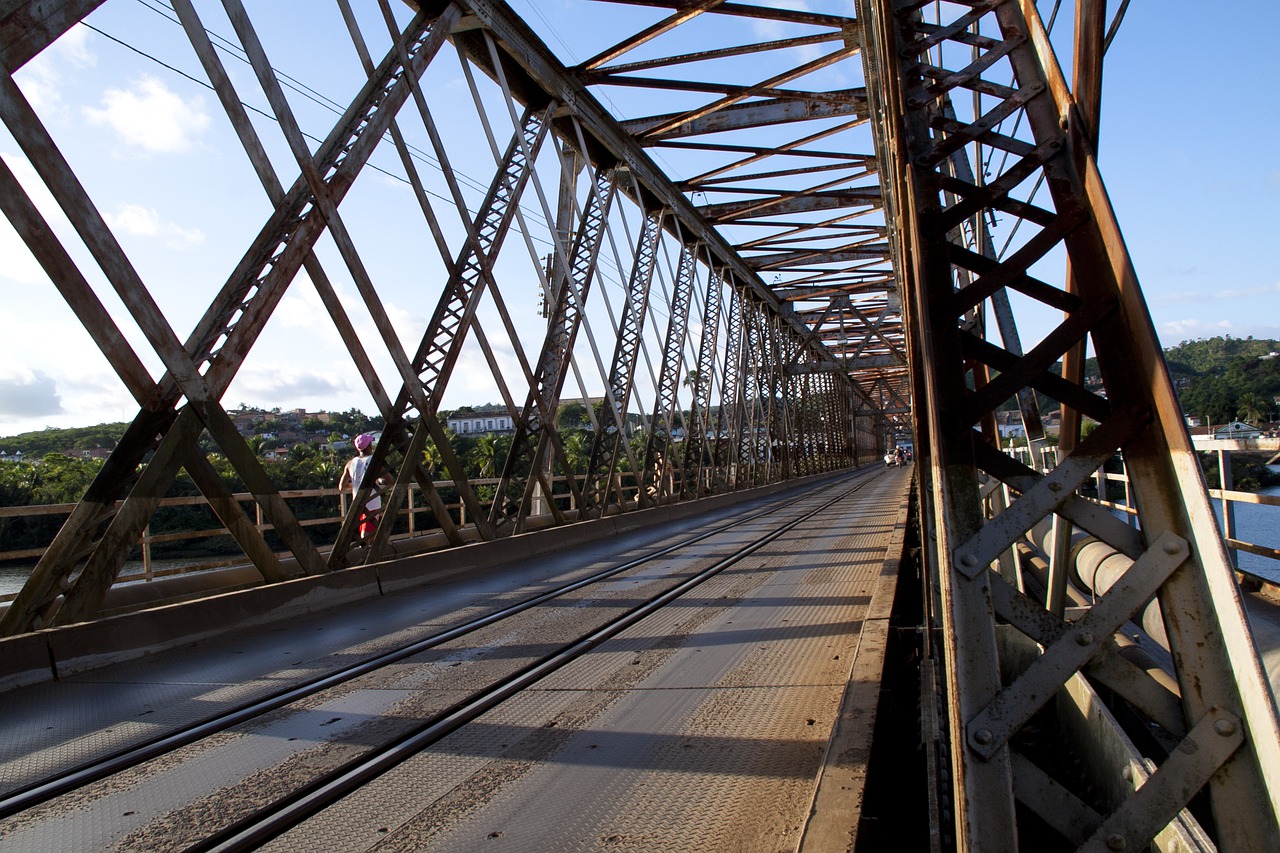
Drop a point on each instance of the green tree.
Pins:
(431, 458)
(573, 415)
(62, 479)
(17, 482)
(484, 455)
(1251, 408)
(577, 449)
(326, 468)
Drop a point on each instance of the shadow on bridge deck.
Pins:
(745, 711)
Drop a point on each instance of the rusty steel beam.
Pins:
(1024, 109)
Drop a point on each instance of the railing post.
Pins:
(1227, 481)
(1128, 494)
(412, 528)
(146, 553)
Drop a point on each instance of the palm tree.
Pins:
(485, 454)
(431, 459)
(1251, 408)
(577, 451)
(326, 469)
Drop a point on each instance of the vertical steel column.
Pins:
(659, 471)
(442, 343)
(729, 420)
(1225, 735)
(696, 432)
(753, 442)
(610, 445)
(535, 429)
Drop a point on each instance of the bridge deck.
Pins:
(704, 726)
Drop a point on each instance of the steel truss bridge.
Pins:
(778, 240)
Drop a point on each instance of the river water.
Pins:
(1261, 526)
(12, 577)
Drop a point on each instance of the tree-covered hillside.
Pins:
(34, 445)
(1224, 379)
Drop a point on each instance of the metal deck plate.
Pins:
(702, 728)
(719, 705)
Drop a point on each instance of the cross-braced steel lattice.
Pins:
(804, 257)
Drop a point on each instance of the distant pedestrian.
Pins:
(353, 476)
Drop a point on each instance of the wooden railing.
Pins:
(146, 569)
(1229, 500)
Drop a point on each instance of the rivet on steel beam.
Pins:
(1171, 548)
(968, 560)
(1084, 638)
(1226, 728)
(1115, 841)
(983, 737)
(1055, 486)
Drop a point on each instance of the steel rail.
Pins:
(36, 793)
(277, 818)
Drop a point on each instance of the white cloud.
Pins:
(19, 264)
(41, 78)
(286, 386)
(144, 222)
(151, 117)
(1175, 331)
(773, 29)
(301, 308)
(28, 394)
(73, 46)
(135, 219)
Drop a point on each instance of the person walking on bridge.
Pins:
(353, 476)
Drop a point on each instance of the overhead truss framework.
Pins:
(634, 277)
(791, 236)
(771, 140)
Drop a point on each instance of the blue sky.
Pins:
(1187, 117)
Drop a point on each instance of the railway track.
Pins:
(707, 554)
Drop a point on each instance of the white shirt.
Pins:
(355, 470)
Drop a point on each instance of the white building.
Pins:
(474, 423)
(1237, 429)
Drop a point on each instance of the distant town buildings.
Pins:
(1237, 429)
(485, 419)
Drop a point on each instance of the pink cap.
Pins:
(363, 440)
